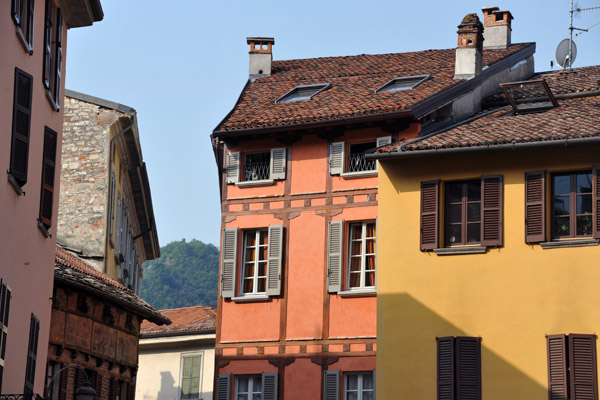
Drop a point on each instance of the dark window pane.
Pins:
(453, 213)
(262, 285)
(584, 225)
(354, 279)
(248, 284)
(474, 190)
(370, 279)
(474, 212)
(584, 204)
(562, 206)
(473, 233)
(560, 226)
(455, 192)
(263, 238)
(561, 184)
(262, 268)
(584, 183)
(453, 234)
(249, 270)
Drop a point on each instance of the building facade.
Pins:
(32, 74)
(177, 361)
(105, 213)
(299, 253)
(489, 290)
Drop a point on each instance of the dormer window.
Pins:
(301, 93)
(402, 83)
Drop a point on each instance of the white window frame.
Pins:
(277, 168)
(255, 263)
(250, 391)
(199, 354)
(339, 154)
(363, 255)
(360, 391)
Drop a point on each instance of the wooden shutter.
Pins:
(382, 141)
(331, 385)
(223, 387)
(21, 126)
(274, 260)
(58, 59)
(64, 380)
(34, 330)
(114, 389)
(582, 362)
(228, 262)
(335, 248)
(269, 385)
(277, 166)
(336, 158)
(5, 296)
(596, 201)
(492, 213)
(111, 205)
(130, 391)
(430, 193)
(48, 168)
(557, 367)
(445, 368)
(535, 207)
(468, 368)
(233, 167)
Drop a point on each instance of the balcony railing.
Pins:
(358, 163)
(20, 397)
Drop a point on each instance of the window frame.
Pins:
(316, 89)
(573, 215)
(348, 169)
(360, 391)
(236, 160)
(53, 54)
(339, 157)
(243, 166)
(23, 16)
(464, 222)
(255, 262)
(416, 81)
(250, 392)
(363, 256)
(193, 355)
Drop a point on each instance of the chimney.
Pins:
(497, 28)
(469, 49)
(261, 56)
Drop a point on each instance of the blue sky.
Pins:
(183, 67)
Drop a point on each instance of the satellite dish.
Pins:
(562, 53)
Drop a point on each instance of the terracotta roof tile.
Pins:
(353, 80)
(184, 320)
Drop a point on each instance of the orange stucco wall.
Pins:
(309, 172)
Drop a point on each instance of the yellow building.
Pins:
(491, 290)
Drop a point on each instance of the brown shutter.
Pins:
(48, 169)
(445, 368)
(130, 390)
(98, 385)
(491, 198)
(62, 390)
(596, 201)
(430, 193)
(468, 368)
(21, 126)
(582, 360)
(557, 367)
(535, 207)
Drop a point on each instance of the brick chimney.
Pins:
(470, 46)
(261, 56)
(497, 28)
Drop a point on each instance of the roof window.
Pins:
(301, 93)
(529, 96)
(402, 83)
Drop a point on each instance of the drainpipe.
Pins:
(110, 171)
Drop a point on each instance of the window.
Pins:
(191, 376)
(254, 387)
(574, 205)
(19, 154)
(361, 261)
(473, 213)
(48, 170)
(401, 84)
(572, 367)
(258, 167)
(52, 65)
(260, 275)
(355, 162)
(5, 296)
(34, 330)
(111, 206)
(301, 93)
(23, 16)
(359, 386)
(459, 368)
(53, 389)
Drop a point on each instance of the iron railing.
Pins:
(358, 163)
(21, 397)
(256, 171)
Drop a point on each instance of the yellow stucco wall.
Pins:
(511, 297)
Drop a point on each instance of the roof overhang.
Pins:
(78, 13)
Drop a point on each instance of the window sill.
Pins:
(264, 182)
(43, 229)
(250, 299)
(53, 104)
(359, 174)
(570, 243)
(359, 293)
(13, 182)
(23, 40)
(450, 251)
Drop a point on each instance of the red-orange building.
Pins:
(297, 311)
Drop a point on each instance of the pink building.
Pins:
(32, 76)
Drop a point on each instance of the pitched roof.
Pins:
(354, 80)
(577, 117)
(185, 320)
(73, 271)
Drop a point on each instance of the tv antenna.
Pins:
(566, 52)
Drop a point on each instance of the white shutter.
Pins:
(382, 141)
(331, 385)
(334, 256)
(223, 387)
(228, 262)
(274, 260)
(233, 167)
(336, 157)
(269, 385)
(277, 166)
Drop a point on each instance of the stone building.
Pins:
(105, 213)
(95, 326)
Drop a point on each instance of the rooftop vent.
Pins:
(300, 93)
(402, 83)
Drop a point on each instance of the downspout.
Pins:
(110, 171)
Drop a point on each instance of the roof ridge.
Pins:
(187, 307)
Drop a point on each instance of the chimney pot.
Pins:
(261, 56)
(497, 24)
(470, 46)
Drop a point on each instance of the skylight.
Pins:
(529, 96)
(402, 83)
(301, 93)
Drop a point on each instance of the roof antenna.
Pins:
(566, 50)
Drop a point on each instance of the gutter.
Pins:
(171, 334)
